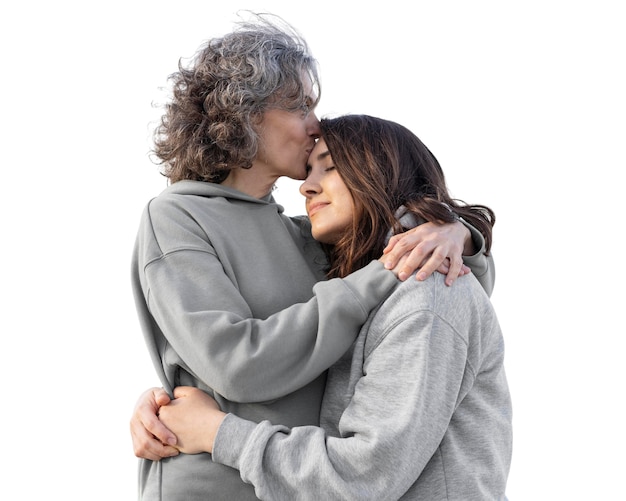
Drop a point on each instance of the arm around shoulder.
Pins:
(202, 323)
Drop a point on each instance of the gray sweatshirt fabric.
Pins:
(231, 299)
(418, 409)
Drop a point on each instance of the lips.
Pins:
(316, 207)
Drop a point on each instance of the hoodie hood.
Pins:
(209, 190)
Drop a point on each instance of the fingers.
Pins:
(156, 428)
(452, 268)
(396, 270)
(436, 259)
(196, 396)
(428, 248)
(151, 438)
(147, 412)
(392, 242)
(407, 244)
(161, 397)
(146, 446)
(455, 270)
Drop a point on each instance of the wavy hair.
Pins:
(385, 166)
(208, 127)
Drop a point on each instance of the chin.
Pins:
(323, 237)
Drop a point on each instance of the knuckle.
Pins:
(440, 253)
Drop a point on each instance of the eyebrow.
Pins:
(322, 155)
(319, 157)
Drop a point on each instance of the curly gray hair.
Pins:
(208, 126)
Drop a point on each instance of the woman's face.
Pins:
(286, 139)
(329, 203)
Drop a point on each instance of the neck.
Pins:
(250, 182)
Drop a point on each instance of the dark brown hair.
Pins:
(385, 166)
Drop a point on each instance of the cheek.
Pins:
(348, 208)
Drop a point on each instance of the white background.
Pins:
(524, 105)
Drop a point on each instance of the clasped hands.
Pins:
(162, 427)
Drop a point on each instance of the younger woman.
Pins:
(419, 407)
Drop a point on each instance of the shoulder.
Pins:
(177, 218)
(459, 315)
(189, 204)
(303, 224)
(427, 294)
(457, 305)
(178, 195)
(433, 293)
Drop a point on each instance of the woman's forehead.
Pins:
(320, 153)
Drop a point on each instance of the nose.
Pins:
(313, 125)
(310, 187)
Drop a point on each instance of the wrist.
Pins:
(214, 422)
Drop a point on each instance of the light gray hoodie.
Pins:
(418, 409)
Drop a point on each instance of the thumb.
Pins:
(161, 397)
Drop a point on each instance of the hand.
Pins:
(429, 247)
(194, 417)
(149, 435)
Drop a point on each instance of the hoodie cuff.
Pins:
(231, 439)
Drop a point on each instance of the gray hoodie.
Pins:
(230, 298)
(418, 409)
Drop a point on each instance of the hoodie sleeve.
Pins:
(482, 265)
(207, 322)
(393, 425)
